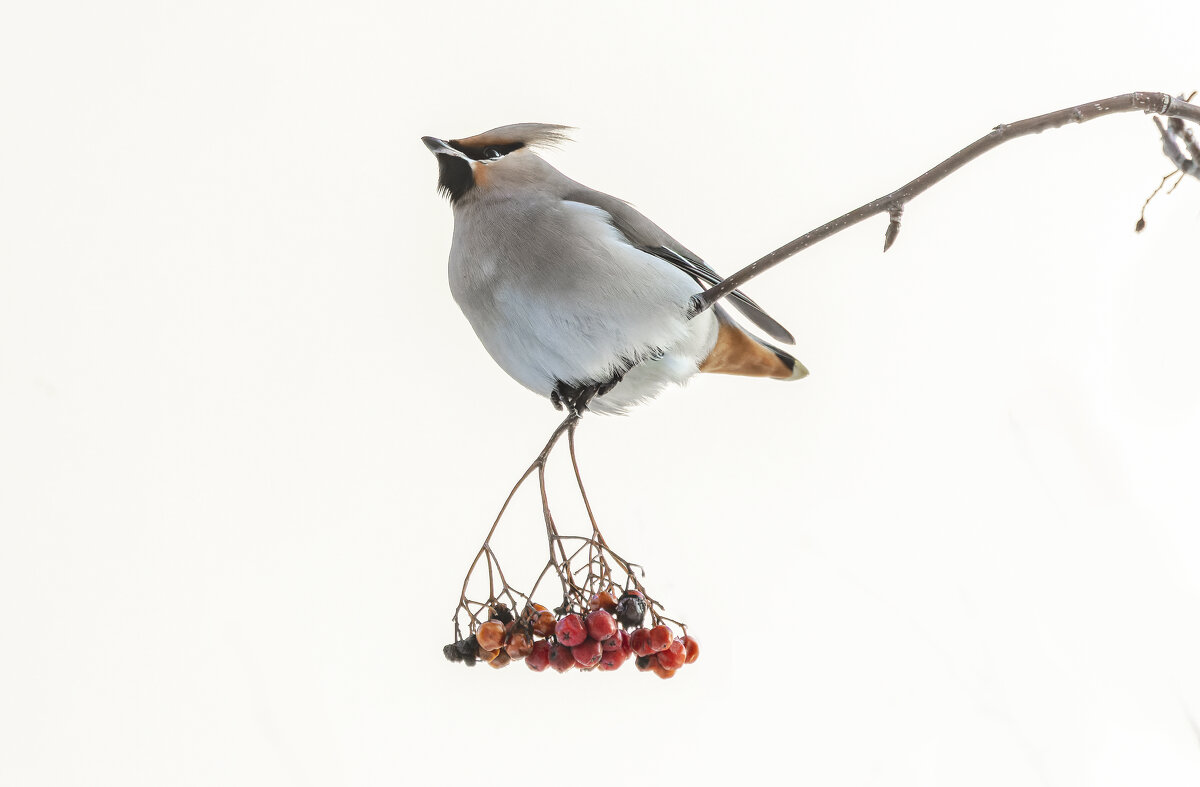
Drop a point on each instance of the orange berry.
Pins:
(502, 660)
(660, 638)
(490, 635)
(658, 669)
(603, 600)
(639, 640)
(692, 648)
(672, 658)
(543, 624)
(519, 645)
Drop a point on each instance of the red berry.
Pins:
(660, 638)
(611, 660)
(560, 657)
(626, 646)
(692, 648)
(490, 635)
(672, 658)
(600, 625)
(587, 653)
(645, 663)
(570, 630)
(658, 669)
(538, 658)
(639, 640)
(618, 641)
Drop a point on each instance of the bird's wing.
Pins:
(649, 237)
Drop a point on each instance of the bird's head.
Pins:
(472, 166)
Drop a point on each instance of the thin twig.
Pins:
(1151, 103)
(600, 557)
(1141, 222)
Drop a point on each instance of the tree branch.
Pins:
(893, 203)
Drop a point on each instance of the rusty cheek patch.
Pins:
(480, 173)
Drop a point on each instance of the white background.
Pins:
(248, 444)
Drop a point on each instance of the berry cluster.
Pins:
(603, 638)
(606, 617)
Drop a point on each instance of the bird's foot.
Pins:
(576, 398)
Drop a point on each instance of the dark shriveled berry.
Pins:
(631, 609)
(451, 652)
(502, 613)
(645, 663)
(467, 646)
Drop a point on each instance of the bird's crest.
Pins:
(512, 137)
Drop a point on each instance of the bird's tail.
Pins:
(737, 352)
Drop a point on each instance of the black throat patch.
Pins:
(455, 178)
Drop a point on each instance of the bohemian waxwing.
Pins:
(576, 294)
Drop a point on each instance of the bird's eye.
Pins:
(491, 154)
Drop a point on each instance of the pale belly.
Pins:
(581, 307)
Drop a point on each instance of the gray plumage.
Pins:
(566, 285)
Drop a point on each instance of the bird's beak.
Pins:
(439, 147)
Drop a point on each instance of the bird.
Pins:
(576, 294)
